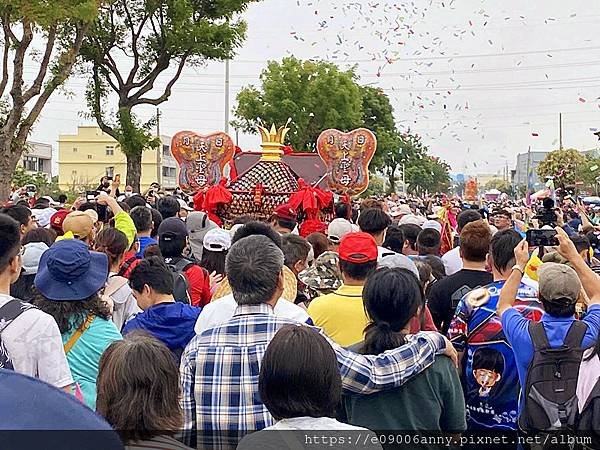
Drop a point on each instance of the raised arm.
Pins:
(508, 293)
(589, 280)
(366, 374)
(123, 221)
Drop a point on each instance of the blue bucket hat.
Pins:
(69, 271)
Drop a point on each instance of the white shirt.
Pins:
(312, 423)
(125, 306)
(220, 311)
(452, 261)
(35, 346)
(346, 436)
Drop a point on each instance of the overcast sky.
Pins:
(475, 78)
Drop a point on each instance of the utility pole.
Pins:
(403, 178)
(560, 131)
(227, 96)
(158, 150)
(528, 168)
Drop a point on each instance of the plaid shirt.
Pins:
(220, 368)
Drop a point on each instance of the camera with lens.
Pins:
(546, 214)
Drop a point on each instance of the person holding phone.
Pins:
(104, 184)
(559, 290)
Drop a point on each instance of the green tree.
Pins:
(427, 174)
(56, 28)
(393, 150)
(566, 166)
(499, 184)
(20, 177)
(590, 172)
(316, 95)
(133, 42)
(376, 187)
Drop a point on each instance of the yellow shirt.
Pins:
(341, 315)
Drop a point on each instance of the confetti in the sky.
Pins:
(395, 48)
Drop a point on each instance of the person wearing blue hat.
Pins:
(70, 281)
(30, 341)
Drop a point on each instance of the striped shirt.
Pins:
(220, 368)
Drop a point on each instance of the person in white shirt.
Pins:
(220, 311)
(30, 341)
(452, 260)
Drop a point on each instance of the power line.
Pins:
(451, 57)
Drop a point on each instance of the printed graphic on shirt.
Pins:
(490, 378)
(458, 295)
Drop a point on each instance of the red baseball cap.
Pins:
(285, 212)
(358, 248)
(57, 219)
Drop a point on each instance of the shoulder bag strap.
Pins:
(114, 284)
(575, 335)
(11, 310)
(538, 335)
(73, 339)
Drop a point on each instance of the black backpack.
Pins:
(550, 397)
(127, 265)
(8, 313)
(181, 285)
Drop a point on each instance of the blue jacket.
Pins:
(171, 323)
(145, 241)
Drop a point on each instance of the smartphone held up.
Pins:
(541, 238)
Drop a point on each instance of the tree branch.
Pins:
(16, 91)
(112, 66)
(7, 32)
(167, 92)
(147, 84)
(135, 35)
(106, 75)
(96, 105)
(67, 60)
(36, 87)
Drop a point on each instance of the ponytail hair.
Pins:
(113, 243)
(392, 297)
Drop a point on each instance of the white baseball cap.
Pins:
(433, 224)
(337, 229)
(217, 240)
(412, 219)
(402, 210)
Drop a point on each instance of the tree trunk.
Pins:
(392, 179)
(134, 170)
(8, 164)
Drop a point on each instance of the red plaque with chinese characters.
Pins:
(347, 157)
(201, 158)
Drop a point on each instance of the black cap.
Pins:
(170, 228)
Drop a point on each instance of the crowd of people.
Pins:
(406, 314)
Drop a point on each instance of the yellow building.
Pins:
(87, 156)
(485, 178)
